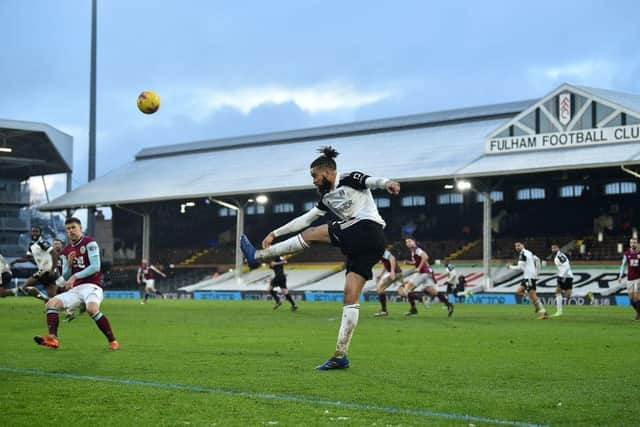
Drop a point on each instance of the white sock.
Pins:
(350, 314)
(559, 303)
(540, 307)
(291, 245)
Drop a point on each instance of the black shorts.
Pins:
(279, 282)
(6, 279)
(450, 288)
(362, 242)
(565, 283)
(45, 277)
(529, 284)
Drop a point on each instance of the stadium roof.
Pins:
(36, 149)
(432, 146)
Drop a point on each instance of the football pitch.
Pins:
(220, 363)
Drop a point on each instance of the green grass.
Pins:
(495, 362)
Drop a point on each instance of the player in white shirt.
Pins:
(42, 254)
(358, 232)
(530, 269)
(5, 279)
(565, 278)
(453, 281)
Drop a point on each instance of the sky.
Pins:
(244, 67)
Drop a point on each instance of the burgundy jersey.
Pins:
(633, 264)
(146, 271)
(416, 254)
(387, 264)
(81, 260)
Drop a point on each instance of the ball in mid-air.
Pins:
(148, 102)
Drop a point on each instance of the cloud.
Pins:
(321, 98)
(55, 185)
(592, 72)
(580, 70)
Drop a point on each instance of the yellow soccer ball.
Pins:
(148, 102)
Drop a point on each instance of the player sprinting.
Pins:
(453, 280)
(358, 233)
(81, 268)
(42, 254)
(279, 280)
(390, 272)
(631, 259)
(565, 279)
(527, 264)
(145, 277)
(423, 276)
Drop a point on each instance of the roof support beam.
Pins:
(578, 115)
(552, 119)
(607, 119)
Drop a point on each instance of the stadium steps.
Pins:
(322, 276)
(464, 249)
(193, 258)
(209, 282)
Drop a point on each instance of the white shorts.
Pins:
(60, 282)
(385, 280)
(85, 293)
(633, 285)
(150, 284)
(419, 279)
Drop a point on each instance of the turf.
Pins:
(208, 363)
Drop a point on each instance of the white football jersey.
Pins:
(562, 262)
(351, 199)
(5, 267)
(452, 275)
(40, 250)
(527, 264)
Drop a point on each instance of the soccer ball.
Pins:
(148, 102)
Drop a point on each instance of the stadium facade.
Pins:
(26, 149)
(544, 159)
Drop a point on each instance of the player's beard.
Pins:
(325, 187)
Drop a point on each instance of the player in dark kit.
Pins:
(631, 258)
(280, 281)
(81, 268)
(358, 233)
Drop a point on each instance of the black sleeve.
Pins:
(320, 205)
(354, 180)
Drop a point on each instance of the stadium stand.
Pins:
(517, 154)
